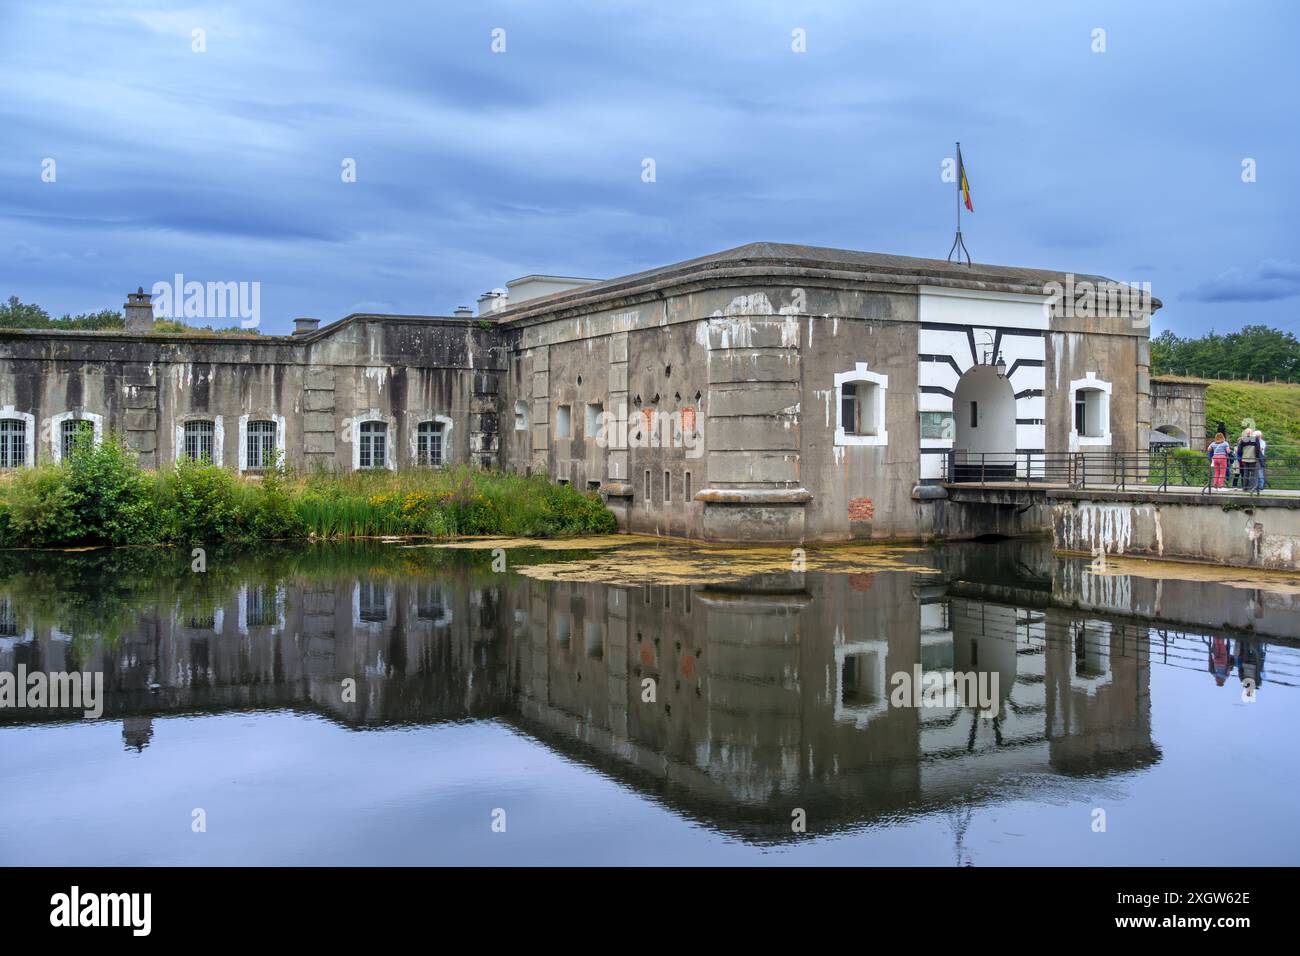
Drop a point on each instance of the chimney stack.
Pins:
(305, 326)
(139, 311)
(463, 312)
(493, 301)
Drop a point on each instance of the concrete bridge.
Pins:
(1129, 505)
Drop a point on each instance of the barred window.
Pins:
(372, 604)
(432, 604)
(260, 607)
(73, 430)
(8, 619)
(373, 444)
(13, 443)
(428, 444)
(199, 618)
(260, 445)
(198, 440)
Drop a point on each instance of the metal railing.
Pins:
(1150, 470)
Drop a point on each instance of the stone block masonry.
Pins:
(787, 393)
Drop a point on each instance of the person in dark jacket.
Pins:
(1248, 459)
(1259, 468)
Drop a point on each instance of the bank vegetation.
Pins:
(101, 496)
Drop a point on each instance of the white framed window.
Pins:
(8, 618)
(861, 684)
(260, 444)
(71, 433)
(261, 440)
(860, 407)
(198, 436)
(199, 440)
(372, 607)
(429, 444)
(428, 438)
(372, 440)
(1089, 412)
(66, 427)
(372, 602)
(261, 605)
(372, 444)
(433, 604)
(17, 438)
(196, 615)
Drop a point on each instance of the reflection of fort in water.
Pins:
(770, 694)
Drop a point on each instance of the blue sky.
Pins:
(474, 167)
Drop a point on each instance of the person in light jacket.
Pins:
(1248, 455)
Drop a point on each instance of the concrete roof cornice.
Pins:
(212, 338)
(810, 265)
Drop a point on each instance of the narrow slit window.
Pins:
(595, 410)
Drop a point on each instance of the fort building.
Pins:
(770, 392)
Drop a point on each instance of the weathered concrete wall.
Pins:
(862, 491)
(316, 387)
(1178, 409)
(780, 687)
(723, 380)
(1187, 600)
(966, 513)
(1263, 533)
(1102, 356)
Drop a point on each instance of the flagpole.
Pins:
(958, 244)
(959, 171)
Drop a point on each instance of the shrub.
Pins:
(41, 508)
(202, 503)
(113, 499)
(272, 513)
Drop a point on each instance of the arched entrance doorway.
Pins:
(984, 407)
(1167, 435)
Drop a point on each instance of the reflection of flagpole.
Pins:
(958, 244)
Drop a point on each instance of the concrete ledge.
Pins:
(1241, 533)
(754, 496)
(617, 489)
(929, 493)
(1228, 500)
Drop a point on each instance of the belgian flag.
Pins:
(964, 183)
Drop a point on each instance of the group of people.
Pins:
(1245, 655)
(1242, 465)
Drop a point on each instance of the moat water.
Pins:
(649, 704)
